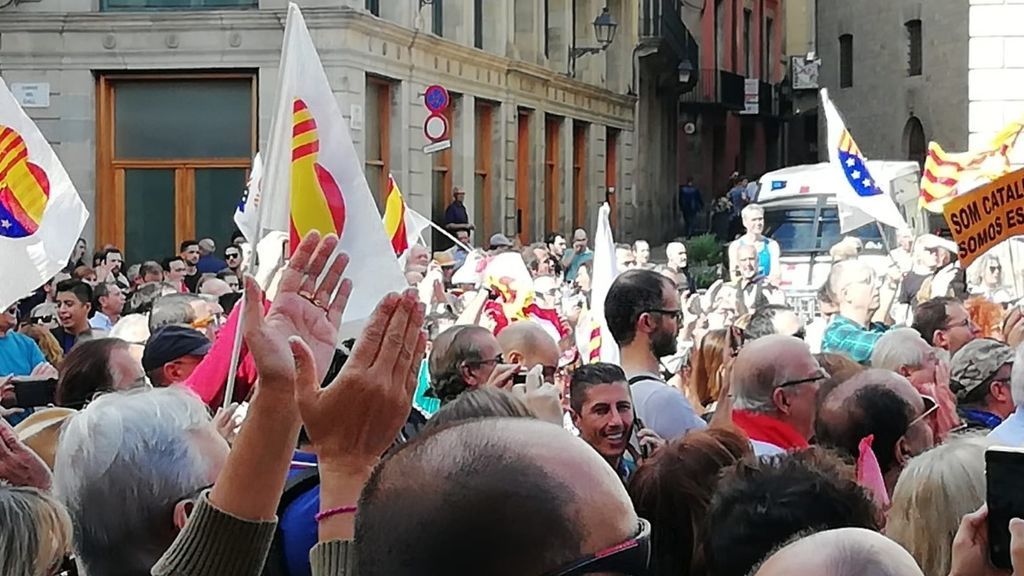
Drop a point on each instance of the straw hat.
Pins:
(41, 431)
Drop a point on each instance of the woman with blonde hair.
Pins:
(36, 533)
(703, 386)
(46, 341)
(933, 493)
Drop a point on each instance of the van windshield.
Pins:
(813, 229)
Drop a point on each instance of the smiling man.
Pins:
(74, 301)
(603, 412)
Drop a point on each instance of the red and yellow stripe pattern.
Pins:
(317, 202)
(943, 171)
(24, 187)
(394, 218)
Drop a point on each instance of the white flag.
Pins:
(248, 211)
(605, 272)
(861, 198)
(315, 181)
(41, 214)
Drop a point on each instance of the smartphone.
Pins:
(34, 392)
(638, 425)
(1004, 467)
(519, 378)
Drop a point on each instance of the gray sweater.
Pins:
(215, 543)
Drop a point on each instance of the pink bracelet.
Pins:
(335, 511)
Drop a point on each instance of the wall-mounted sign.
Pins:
(35, 95)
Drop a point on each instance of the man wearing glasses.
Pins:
(980, 378)
(944, 323)
(644, 316)
(19, 354)
(884, 405)
(856, 329)
(775, 382)
(233, 259)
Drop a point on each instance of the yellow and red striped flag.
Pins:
(946, 174)
(314, 180)
(394, 218)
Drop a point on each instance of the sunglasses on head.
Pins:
(632, 557)
(930, 407)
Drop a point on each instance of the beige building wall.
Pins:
(68, 43)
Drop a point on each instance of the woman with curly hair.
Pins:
(987, 315)
(47, 343)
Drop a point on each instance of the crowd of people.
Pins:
(472, 428)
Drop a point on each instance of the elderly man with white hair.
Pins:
(768, 251)
(129, 468)
(905, 352)
(676, 269)
(860, 300)
(1011, 431)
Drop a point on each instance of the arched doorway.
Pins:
(914, 142)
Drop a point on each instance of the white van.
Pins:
(801, 214)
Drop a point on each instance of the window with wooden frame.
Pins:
(552, 173)
(611, 172)
(173, 152)
(484, 203)
(442, 181)
(378, 135)
(580, 130)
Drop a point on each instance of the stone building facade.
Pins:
(897, 71)
(538, 141)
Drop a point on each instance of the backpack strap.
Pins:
(644, 377)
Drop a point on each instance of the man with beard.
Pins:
(190, 256)
(643, 314)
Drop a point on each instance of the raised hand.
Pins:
(542, 398)
(355, 419)
(305, 307)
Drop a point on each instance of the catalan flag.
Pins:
(948, 174)
(314, 181)
(861, 198)
(41, 214)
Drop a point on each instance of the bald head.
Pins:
(841, 552)
(528, 344)
(495, 496)
(877, 403)
(765, 363)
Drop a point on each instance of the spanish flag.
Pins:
(314, 180)
(394, 218)
(947, 174)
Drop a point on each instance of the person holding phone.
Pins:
(602, 411)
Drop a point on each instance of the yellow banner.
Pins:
(985, 216)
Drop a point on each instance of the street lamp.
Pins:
(604, 30)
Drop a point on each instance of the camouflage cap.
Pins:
(976, 363)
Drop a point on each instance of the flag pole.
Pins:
(450, 237)
(236, 346)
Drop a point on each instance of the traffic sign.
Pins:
(437, 146)
(435, 127)
(436, 98)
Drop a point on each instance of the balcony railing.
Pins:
(716, 88)
(661, 22)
